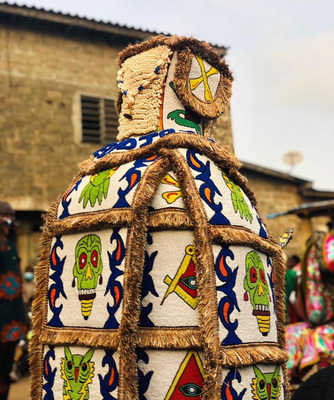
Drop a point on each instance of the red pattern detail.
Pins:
(53, 296)
(112, 377)
(54, 257)
(191, 374)
(191, 271)
(226, 308)
(229, 395)
(269, 390)
(13, 332)
(46, 369)
(222, 268)
(207, 193)
(117, 295)
(10, 286)
(119, 250)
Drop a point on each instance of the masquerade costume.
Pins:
(160, 271)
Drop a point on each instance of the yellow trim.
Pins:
(190, 254)
(193, 303)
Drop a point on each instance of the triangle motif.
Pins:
(184, 283)
(189, 379)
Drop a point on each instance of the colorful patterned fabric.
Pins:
(308, 345)
(318, 302)
(12, 315)
(328, 251)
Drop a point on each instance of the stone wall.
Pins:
(275, 195)
(43, 70)
(41, 74)
(223, 132)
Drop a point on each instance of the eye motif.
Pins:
(94, 258)
(69, 365)
(191, 390)
(82, 260)
(262, 277)
(253, 275)
(190, 282)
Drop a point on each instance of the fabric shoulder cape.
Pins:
(147, 269)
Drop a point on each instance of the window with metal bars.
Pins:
(99, 120)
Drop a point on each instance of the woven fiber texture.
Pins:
(141, 80)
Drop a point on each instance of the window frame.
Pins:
(77, 118)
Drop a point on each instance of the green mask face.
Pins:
(77, 371)
(87, 270)
(266, 386)
(256, 287)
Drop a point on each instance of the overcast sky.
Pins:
(282, 55)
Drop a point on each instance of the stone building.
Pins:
(58, 89)
(277, 192)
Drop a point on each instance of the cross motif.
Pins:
(195, 82)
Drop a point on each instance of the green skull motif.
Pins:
(77, 371)
(87, 269)
(266, 386)
(256, 287)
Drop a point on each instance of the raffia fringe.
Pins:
(221, 156)
(80, 337)
(206, 281)
(133, 273)
(51, 216)
(165, 338)
(92, 221)
(279, 273)
(155, 338)
(158, 220)
(242, 236)
(169, 219)
(179, 43)
(206, 109)
(169, 338)
(252, 354)
(287, 393)
(39, 308)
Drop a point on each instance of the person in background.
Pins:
(13, 326)
(293, 272)
(28, 287)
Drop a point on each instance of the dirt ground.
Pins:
(20, 390)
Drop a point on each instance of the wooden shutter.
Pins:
(99, 120)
